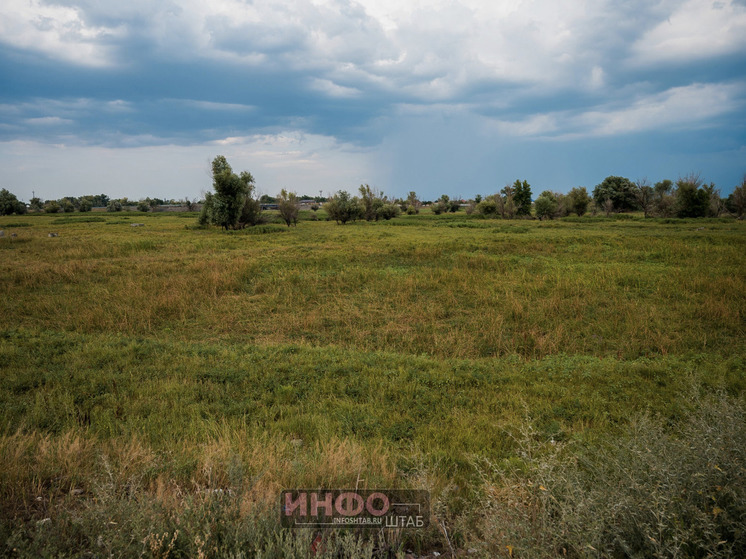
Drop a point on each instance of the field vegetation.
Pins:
(571, 386)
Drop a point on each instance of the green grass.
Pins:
(401, 352)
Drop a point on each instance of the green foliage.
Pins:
(232, 205)
(619, 192)
(114, 206)
(691, 200)
(546, 205)
(289, 207)
(579, 200)
(143, 206)
(36, 204)
(736, 202)
(52, 207)
(388, 211)
(487, 207)
(67, 206)
(343, 208)
(522, 198)
(85, 205)
(9, 204)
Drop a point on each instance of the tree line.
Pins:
(233, 203)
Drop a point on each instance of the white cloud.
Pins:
(48, 121)
(697, 29)
(678, 108)
(59, 32)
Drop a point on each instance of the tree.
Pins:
(413, 203)
(664, 201)
(645, 195)
(488, 206)
(506, 201)
(342, 208)
(736, 202)
(289, 207)
(9, 204)
(522, 197)
(579, 200)
(388, 211)
(371, 201)
(143, 206)
(114, 206)
(546, 205)
(52, 207)
(691, 200)
(232, 205)
(85, 205)
(36, 204)
(66, 205)
(619, 190)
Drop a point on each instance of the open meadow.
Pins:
(573, 385)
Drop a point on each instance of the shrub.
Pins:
(652, 492)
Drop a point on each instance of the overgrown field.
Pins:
(159, 385)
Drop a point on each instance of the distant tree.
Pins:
(477, 198)
(691, 200)
(114, 206)
(488, 206)
(85, 205)
(664, 200)
(736, 202)
(232, 205)
(579, 200)
(189, 204)
(454, 206)
(716, 204)
(315, 207)
(442, 205)
(619, 190)
(546, 205)
(645, 195)
(413, 202)
(143, 206)
(371, 201)
(9, 203)
(267, 199)
(342, 208)
(522, 198)
(388, 211)
(289, 207)
(36, 204)
(66, 205)
(52, 207)
(505, 201)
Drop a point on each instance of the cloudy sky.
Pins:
(438, 96)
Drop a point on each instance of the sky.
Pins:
(457, 97)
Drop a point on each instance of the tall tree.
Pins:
(232, 205)
(522, 197)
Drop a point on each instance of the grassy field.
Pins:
(161, 384)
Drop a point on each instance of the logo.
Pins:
(337, 508)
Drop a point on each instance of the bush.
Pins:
(649, 493)
(342, 208)
(488, 206)
(52, 207)
(388, 211)
(114, 206)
